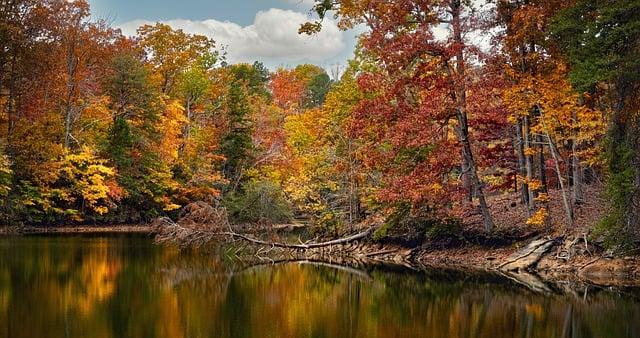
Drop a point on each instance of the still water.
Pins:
(128, 287)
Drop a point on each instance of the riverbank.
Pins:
(565, 254)
(586, 264)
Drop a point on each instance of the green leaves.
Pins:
(601, 40)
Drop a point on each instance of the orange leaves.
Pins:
(288, 89)
(538, 218)
(170, 125)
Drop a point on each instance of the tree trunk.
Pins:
(577, 193)
(473, 172)
(524, 187)
(542, 166)
(576, 168)
(633, 208)
(186, 131)
(556, 158)
(354, 187)
(528, 161)
(460, 95)
(68, 111)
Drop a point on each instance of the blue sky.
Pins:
(264, 30)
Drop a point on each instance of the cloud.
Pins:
(272, 37)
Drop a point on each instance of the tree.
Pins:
(170, 52)
(413, 62)
(236, 145)
(135, 142)
(601, 42)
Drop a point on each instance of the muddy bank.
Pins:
(542, 265)
(545, 267)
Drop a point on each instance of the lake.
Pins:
(128, 287)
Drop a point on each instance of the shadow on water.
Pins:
(125, 286)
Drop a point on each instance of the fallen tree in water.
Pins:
(201, 224)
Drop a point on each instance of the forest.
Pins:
(454, 118)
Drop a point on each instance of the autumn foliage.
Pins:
(446, 105)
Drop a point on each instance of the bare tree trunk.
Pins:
(556, 158)
(576, 167)
(186, 131)
(524, 187)
(68, 111)
(473, 171)
(577, 192)
(354, 188)
(460, 95)
(528, 161)
(542, 166)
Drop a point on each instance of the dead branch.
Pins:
(171, 232)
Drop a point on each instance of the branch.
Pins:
(175, 231)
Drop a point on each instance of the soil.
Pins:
(577, 256)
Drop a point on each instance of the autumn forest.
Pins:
(451, 113)
(466, 168)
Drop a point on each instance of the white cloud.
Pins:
(272, 38)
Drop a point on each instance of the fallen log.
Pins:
(303, 246)
(169, 231)
(529, 256)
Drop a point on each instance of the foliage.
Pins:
(600, 41)
(425, 126)
(259, 202)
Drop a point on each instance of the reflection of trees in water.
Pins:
(307, 298)
(129, 288)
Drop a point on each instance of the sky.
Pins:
(250, 30)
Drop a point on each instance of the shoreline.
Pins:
(545, 274)
(77, 230)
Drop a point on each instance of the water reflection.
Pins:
(127, 287)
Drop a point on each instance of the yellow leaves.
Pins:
(101, 210)
(94, 122)
(90, 178)
(436, 188)
(539, 218)
(5, 175)
(171, 125)
(543, 197)
(530, 151)
(171, 207)
(535, 185)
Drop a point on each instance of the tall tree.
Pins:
(170, 52)
(413, 61)
(602, 42)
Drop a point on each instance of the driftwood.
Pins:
(169, 231)
(529, 256)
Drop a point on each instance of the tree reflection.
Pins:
(126, 287)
